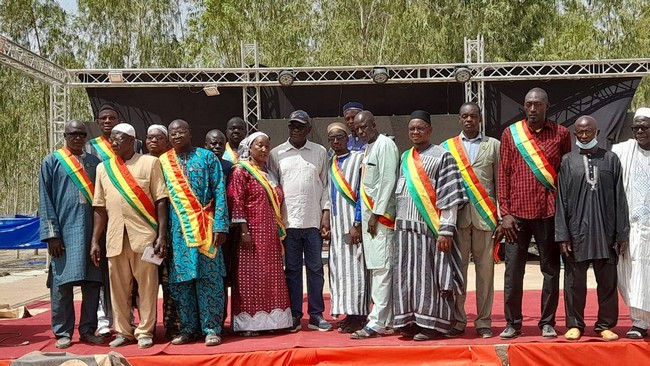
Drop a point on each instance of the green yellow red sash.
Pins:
(103, 147)
(475, 190)
(76, 172)
(130, 190)
(533, 155)
(386, 219)
(196, 220)
(271, 194)
(230, 155)
(420, 188)
(341, 184)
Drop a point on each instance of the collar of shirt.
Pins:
(288, 146)
(547, 124)
(478, 137)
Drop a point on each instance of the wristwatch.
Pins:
(356, 224)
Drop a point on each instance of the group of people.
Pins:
(402, 228)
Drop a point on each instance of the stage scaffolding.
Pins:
(251, 76)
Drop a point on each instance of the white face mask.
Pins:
(588, 146)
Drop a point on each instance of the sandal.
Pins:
(212, 340)
(636, 333)
(365, 333)
(182, 339)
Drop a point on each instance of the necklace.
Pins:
(591, 176)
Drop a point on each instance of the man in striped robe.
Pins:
(348, 274)
(426, 260)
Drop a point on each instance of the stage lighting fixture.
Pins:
(462, 74)
(211, 90)
(379, 75)
(286, 77)
(115, 77)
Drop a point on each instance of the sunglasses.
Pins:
(76, 134)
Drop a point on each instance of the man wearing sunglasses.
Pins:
(633, 274)
(65, 207)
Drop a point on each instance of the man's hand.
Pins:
(444, 243)
(565, 248)
(372, 225)
(55, 247)
(507, 229)
(95, 253)
(325, 228)
(622, 247)
(218, 239)
(355, 234)
(160, 247)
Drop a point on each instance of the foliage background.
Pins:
(195, 33)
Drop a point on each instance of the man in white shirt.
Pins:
(301, 167)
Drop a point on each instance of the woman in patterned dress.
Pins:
(260, 298)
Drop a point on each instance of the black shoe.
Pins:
(636, 333)
(296, 324)
(510, 333)
(484, 332)
(455, 333)
(319, 323)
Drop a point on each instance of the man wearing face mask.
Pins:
(591, 224)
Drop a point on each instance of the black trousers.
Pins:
(575, 293)
(549, 258)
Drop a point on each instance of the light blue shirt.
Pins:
(471, 146)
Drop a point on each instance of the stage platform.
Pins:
(310, 347)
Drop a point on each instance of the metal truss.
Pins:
(351, 75)
(252, 106)
(475, 90)
(59, 112)
(30, 63)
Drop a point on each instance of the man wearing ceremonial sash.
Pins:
(66, 188)
(378, 177)
(531, 151)
(131, 204)
(348, 274)
(236, 130)
(107, 118)
(199, 224)
(427, 273)
(477, 157)
(301, 167)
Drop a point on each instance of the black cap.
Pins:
(299, 116)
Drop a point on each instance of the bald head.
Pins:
(587, 121)
(364, 122)
(75, 125)
(179, 123)
(215, 141)
(538, 91)
(586, 130)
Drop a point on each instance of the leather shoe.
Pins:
(182, 339)
(510, 333)
(608, 335)
(455, 333)
(119, 341)
(91, 338)
(484, 332)
(548, 331)
(212, 340)
(63, 342)
(145, 342)
(573, 334)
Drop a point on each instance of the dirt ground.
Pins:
(12, 261)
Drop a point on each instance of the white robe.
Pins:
(633, 273)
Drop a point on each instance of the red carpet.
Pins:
(309, 347)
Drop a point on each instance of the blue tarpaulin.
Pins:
(20, 232)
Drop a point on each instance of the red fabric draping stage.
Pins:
(310, 347)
